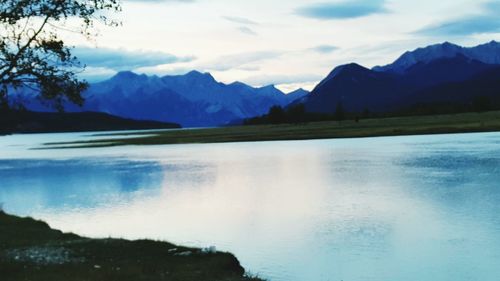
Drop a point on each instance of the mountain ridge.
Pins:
(197, 99)
(393, 88)
(488, 53)
(193, 99)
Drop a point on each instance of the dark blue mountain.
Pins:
(356, 87)
(359, 88)
(297, 95)
(488, 53)
(197, 99)
(482, 88)
(192, 100)
(442, 70)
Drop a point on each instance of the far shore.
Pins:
(396, 126)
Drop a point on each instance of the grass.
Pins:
(31, 250)
(438, 124)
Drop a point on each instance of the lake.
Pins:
(394, 208)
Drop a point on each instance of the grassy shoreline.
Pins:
(396, 126)
(31, 250)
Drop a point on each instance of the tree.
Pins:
(366, 113)
(32, 54)
(339, 112)
(276, 115)
(482, 104)
(297, 113)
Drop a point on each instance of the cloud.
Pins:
(282, 79)
(324, 49)
(119, 59)
(240, 20)
(486, 22)
(229, 62)
(246, 30)
(244, 22)
(342, 10)
(96, 74)
(464, 26)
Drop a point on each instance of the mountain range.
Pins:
(193, 100)
(488, 53)
(424, 76)
(438, 74)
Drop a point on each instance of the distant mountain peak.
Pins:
(488, 53)
(128, 78)
(269, 87)
(125, 75)
(352, 67)
(196, 73)
(344, 69)
(238, 83)
(195, 76)
(447, 44)
(490, 45)
(299, 90)
(297, 95)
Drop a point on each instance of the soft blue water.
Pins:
(400, 208)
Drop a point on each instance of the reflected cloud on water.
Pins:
(407, 208)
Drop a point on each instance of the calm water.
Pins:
(405, 208)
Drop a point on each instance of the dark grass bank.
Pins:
(418, 125)
(31, 250)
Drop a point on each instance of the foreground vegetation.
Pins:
(438, 124)
(30, 250)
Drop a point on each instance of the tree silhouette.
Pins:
(276, 115)
(32, 55)
(366, 113)
(482, 104)
(296, 113)
(339, 112)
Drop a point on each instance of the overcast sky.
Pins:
(289, 43)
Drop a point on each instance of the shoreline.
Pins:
(382, 127)
(31, 250)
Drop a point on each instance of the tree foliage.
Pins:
(32, 53)
(276, 115)
(339, 112)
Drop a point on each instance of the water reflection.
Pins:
(77, 183)
(408, 208)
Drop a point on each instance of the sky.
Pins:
(291, 44)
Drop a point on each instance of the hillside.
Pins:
(42, 122)
(415, 78)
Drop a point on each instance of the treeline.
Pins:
(478, 104)
(8, 122)
(297, 114)
(21, 121)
